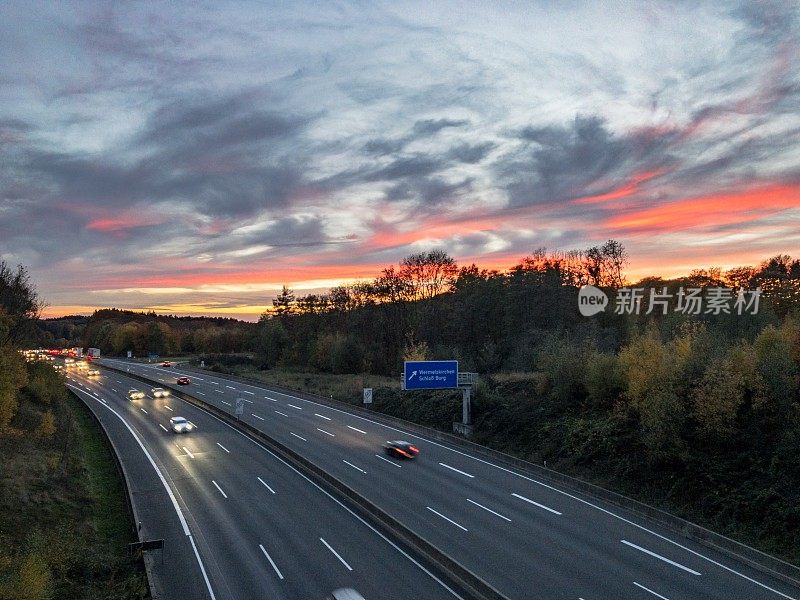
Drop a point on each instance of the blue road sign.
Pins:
(430, 374)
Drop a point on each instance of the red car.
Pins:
(183, 381)
(401, 449)
(166, 363)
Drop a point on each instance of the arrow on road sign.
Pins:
(412, 376)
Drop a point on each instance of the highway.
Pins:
(525, 536)
(237, 521)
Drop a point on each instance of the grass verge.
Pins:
(64, 522)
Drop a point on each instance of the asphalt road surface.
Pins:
(237, 521)
(525, 536)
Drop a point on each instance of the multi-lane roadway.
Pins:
(237, 521)
(525, 536)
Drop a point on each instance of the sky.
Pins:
(192, 158)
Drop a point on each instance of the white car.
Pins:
(160, 393)
(181, 425)
(134, 394)
(93, 372)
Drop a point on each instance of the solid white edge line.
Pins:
(457, 470)
(355, 467)
(269, 558)
(170, 493)
(224, 495)
(298, 436)
(223, 447)
(326, 432)
(529, 501)
(322, 416)
(394, 464)
(651, 591)
(489, 510)
(659, 557)
(265, 484)
(336, 554)
(202, 569)
(447, 519)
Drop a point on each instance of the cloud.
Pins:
(144, 146)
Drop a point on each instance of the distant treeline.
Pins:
(429, 307)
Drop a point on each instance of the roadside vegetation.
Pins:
(698, 414)
(64, 524)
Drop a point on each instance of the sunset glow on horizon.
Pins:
(193, 160)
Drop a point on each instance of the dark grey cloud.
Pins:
(421, 130)
(431, 126)
(429, 192)
(471, 153)
(559, 163)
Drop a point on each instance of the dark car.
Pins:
(401, 449)
(183, 380)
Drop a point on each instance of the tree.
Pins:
(283, 304)
(47, 427)
(429, 274)
(615, 259)
(13, 376)
(20, 304)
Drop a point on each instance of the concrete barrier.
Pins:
(457, 576)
